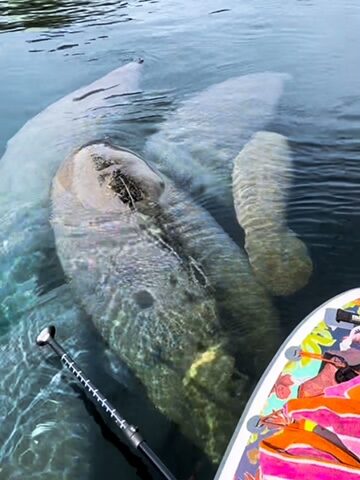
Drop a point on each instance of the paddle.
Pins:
(47, 337)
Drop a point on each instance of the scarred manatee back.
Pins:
(150, 301)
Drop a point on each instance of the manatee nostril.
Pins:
(144, 299)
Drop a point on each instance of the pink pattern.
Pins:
(309, 452)
(342, 389)
(344, 424)
(294, 469)
(282, 386)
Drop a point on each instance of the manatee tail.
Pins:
(280, 260)
(261, 179)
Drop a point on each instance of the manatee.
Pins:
(138, 257)
(261, 180)
(197, 144)
(27, 168)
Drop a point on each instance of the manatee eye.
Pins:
(144, 299)
(200, 190)
(125, 187)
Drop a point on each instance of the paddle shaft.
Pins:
(130, 431)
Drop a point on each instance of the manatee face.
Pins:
(109, 179)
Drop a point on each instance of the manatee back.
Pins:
(196, 146)
(153, 306)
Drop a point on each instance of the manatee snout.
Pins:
(108, 178)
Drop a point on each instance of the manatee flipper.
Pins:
(261, 180)
(206, 391)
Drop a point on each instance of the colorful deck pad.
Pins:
(307, 423)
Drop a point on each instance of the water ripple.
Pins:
(51, 14)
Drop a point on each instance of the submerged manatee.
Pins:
(261, 180)
(125, 237)
(27, 167)
(196, 146)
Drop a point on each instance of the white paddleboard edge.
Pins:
(238, 442)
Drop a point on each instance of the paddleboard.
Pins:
(291, 375)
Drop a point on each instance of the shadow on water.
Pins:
(112, 437)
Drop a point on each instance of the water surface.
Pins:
(49, 48)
